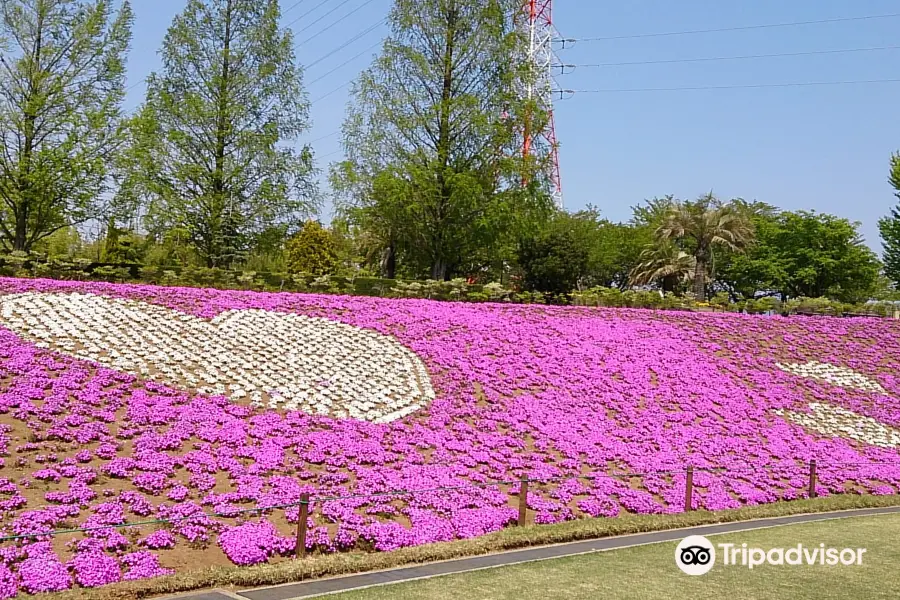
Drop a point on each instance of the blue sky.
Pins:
(816, 147)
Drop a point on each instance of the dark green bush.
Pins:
(21, 265)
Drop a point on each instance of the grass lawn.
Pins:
(649, 571)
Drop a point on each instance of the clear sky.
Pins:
(816, 147)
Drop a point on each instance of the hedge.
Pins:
(20, 265)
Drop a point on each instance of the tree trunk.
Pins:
(21, 228)
(700, 279)
(439, 269)
(668, 283)
(24, 183)
(222, 126)
(389, 262)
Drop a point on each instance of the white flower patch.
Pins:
(840, 422)
(280, 360)
(833, 374)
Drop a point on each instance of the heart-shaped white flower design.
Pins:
(840, 422)
(273, 359)
(833, 374)
(833, 420)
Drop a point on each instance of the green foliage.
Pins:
(431, 166)
(806, 254)
(61, 91)
(702, 226)
(20, 264)
(63, 243)
(208, 148)
(666, 264)
(889, 227)
(554, 260)
(313, 250)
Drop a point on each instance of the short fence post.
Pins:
(812, 478)
(300, 549)
(523, 501)
(689, 489)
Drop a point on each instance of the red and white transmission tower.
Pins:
(536, 24)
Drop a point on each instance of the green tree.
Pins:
(209, 145)
(431, 160)
(889, 227)
(555, 259)
(313, 250)
(824, 255)
(664, 263)
(615, 252)
(801, 253)
(759, 268)
(701, 226)
(62, 243)
(61, 91)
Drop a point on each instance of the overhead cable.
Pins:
(568, 93)
(321, 31)
(727, 29)
(723, 58)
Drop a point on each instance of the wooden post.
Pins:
(689, 489)
(300, 549)
(523, 501)
(812, 478)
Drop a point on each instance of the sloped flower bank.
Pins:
(140, 417)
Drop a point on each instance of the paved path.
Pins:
(316, 587)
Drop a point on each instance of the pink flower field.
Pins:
(602, 410)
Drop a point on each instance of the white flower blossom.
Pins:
(833, 374)
(840, 422)
(279, 360)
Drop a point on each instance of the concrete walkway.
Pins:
(317, 587)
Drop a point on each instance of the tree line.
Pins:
(210, 170)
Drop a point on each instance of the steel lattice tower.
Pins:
(536, 24)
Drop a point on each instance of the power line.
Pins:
(344, 64)
(352, 12)
(332, 92)
(564, 93)
(725, 29)
(322, 17)
(324, 137)
(358, 36)
(292, 7)
(312, 10)
(719, 58)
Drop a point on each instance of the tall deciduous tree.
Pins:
(889, 227)
(209, 147)
(824, 255)
(801, 254)
(61, 90)
(431, 150)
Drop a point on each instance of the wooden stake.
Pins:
(812, 478)
(523, 501)
(300, 549)
(689, 490)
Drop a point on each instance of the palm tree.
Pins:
(665, 262)
(703, 225)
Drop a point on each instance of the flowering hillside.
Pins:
(136, 403)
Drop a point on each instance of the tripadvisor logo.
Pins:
(696, 555)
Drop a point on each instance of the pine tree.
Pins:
(209, 146)
(889, 227)
(61, 92)
(429, 148)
